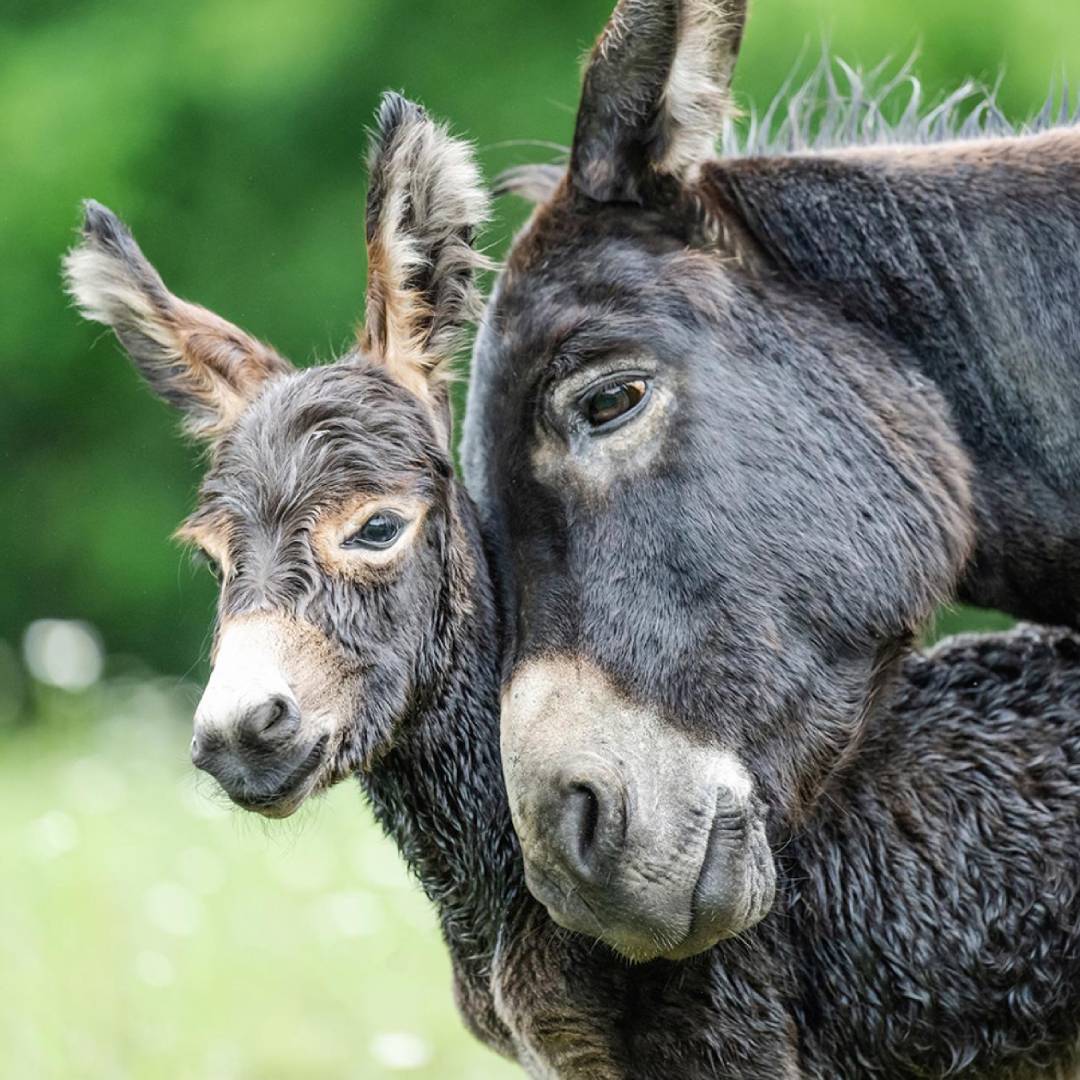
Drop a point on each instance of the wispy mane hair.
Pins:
(839, 106)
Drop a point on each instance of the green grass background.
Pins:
(146, 930)
(149, 931)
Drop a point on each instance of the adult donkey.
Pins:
(358, 633)
(741, 424)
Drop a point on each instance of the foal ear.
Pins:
(191, 357)
(655, 94)
(426, 201)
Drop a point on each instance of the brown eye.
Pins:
(615, 401)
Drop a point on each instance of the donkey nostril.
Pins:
(269, 723)
(583, 810)
(587, 823)
(277, 711)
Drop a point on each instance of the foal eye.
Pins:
(212, 565)
(378, 532)
(613, 402)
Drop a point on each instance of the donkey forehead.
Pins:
(570, 223)
(324, 433)
(597, 298)
(608, 253)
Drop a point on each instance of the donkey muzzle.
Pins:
(631, 831)
(250, 730)
(259, 764)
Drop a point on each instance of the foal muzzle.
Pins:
(260, 731)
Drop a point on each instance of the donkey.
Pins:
(359, 633)
(739, 425)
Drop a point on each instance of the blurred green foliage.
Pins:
(230, 135)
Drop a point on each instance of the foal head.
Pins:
(724, 511)
(327, 509)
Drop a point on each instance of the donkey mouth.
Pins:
(285, 797)
(732, 890)
(735, 887)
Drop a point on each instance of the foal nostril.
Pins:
(588, 827)
(268, 724)
(279, 713)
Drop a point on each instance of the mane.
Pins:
(841, 106)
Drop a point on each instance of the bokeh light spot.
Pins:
(172, 908)
(53, 834)
(400, 1050)
(154, 969)
(63, 653)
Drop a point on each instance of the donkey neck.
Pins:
(964, 254)
(439, 791)
(979, 730)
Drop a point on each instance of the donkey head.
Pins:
(327, 509)
(724, 511)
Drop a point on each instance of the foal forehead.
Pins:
(325, 431)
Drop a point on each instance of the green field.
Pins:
(148, 931)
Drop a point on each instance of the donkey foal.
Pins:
(356, 629)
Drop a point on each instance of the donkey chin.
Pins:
(632, 832)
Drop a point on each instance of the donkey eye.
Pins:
(616, 401)
(378, 532)
(211, 564)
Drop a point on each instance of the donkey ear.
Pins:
(426, 201)
(655, 94)
(191, 357)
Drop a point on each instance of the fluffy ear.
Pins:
(426, 201)
(192, 358)
(655, 94)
